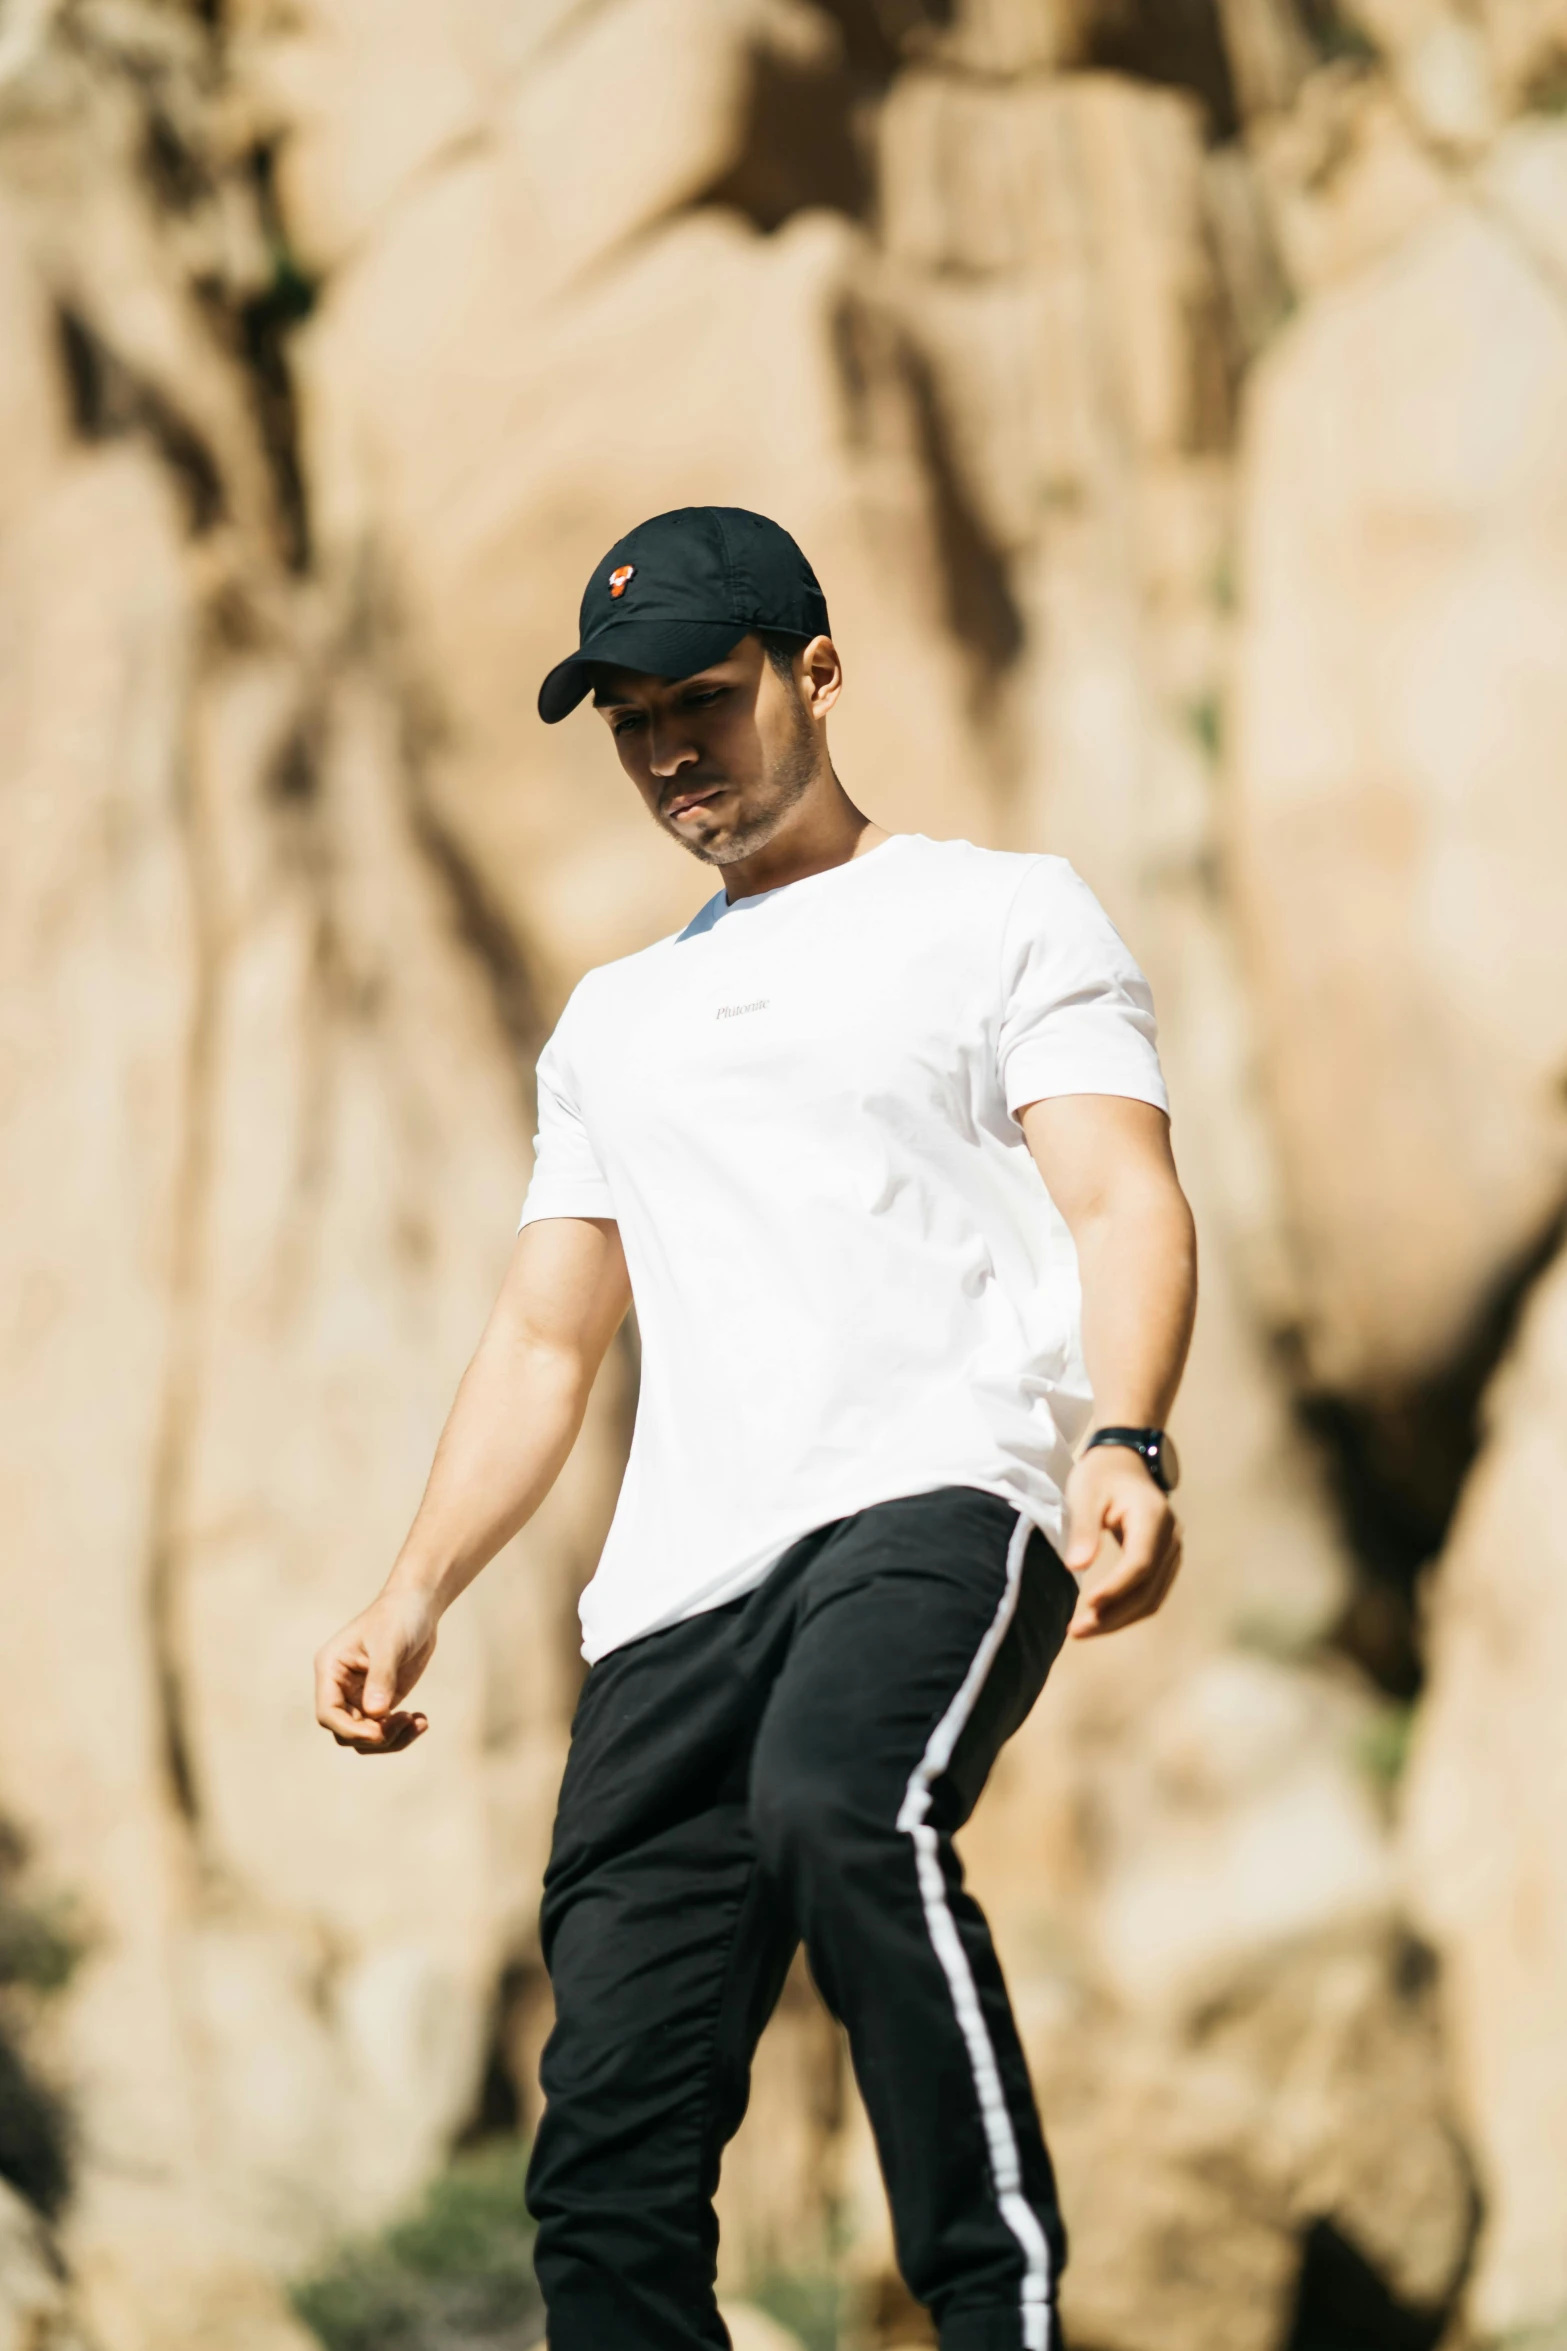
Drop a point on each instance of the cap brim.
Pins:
(654, 648)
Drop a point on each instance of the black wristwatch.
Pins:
(1160, 1458)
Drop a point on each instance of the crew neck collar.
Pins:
(825, 874)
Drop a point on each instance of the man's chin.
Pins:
(719, 844)
(702, 843)
(738, 833)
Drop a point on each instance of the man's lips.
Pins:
(684, 802)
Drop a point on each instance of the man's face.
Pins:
(721, 757)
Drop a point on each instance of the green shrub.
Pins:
(457, 2275)
(39, 1948)
(1384, 1746)
(810, 2303)
(1204, 716)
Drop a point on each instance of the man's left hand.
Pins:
(1111, 1492)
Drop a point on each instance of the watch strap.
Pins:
(1150, 1444)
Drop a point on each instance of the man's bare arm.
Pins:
(515, 1419)
(1107, 1165)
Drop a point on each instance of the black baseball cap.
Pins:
(681, 591)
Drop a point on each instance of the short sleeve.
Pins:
(1077, 1014)
(567, 1178)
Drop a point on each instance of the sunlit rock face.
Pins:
(1400, 828)
(1484, 1858)
(1167, 400)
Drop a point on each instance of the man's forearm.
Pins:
(512, 1424)
(520, 1404)
(515, 1418)
(1107, 1164)
(1137, 1262)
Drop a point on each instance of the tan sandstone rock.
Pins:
(251, 1012)
(1461, 68)
(367, 97)
(1488, 1784)
(1399, 831)
(1348, 176)
(35, 2308)
(98, 984)
(101, 983)
(375, 110)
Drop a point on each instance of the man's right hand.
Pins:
(518, 1409)
(364, 1670)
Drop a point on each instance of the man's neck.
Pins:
(829, 832)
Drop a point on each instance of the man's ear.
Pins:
(821, 675)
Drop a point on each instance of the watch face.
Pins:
(1169, 1464)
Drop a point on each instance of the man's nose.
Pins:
(669, 749)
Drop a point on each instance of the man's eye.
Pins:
(623, 725)
(704, 695)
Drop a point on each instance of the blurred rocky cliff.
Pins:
(1171, 395)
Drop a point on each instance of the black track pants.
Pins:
(793, 1767)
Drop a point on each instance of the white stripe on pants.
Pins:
(1000, 2138)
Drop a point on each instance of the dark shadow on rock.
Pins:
(1342, 2303)
(806, 145)
(508, 2103)
(879, 34)
(1178, 43)
(38, 1954)
(888, 384)
(109, 401)
(1396, 1465)
(264, 327)
(34, 2136)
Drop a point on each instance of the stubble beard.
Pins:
(783, 788)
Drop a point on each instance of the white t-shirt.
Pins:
(850, 1282)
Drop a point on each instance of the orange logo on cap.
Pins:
(618, 579)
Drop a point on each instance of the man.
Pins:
(806, 1136)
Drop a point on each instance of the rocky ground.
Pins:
(1170, 398)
